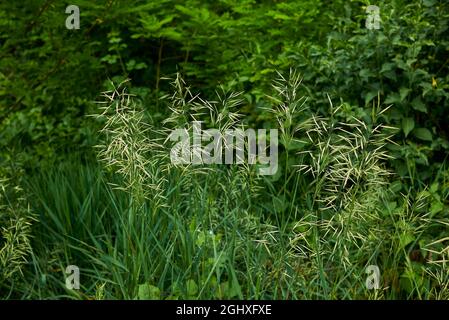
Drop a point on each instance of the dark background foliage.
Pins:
(50, 75)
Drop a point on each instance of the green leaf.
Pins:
(279, 204)
(294, 144)
(396, 186)
(366, 73)
(148, 292)
(200, 239)
(370, 95)
(403, 93)
(434, 187)
(405, 239)
(388, 66)
(192, 288)
(436, 207)
(417, 104)
(393, 98)
(423, 134)
(408, 124)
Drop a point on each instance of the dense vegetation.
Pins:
(86, 178)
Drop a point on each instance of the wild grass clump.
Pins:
(142, 227)
(16, 220)
(128, 149)
(344, 192)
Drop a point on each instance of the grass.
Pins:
(83, 221)
(140, 227)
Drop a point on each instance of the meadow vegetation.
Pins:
(86, 177)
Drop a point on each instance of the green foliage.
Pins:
(15, 233)
(45, 86)
(403, 62)
(363, 142)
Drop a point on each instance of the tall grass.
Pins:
(139, 226)
(15, 233)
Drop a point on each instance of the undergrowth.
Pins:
(141, 227)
